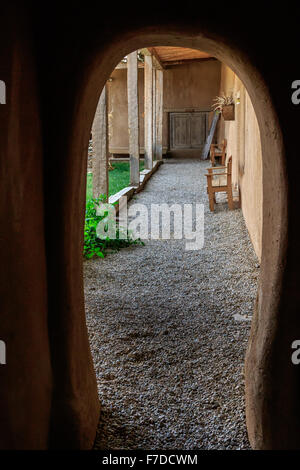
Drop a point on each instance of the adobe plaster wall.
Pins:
(186, 87)
(244, 144)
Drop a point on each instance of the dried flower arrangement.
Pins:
(221, 101)
(224, 104)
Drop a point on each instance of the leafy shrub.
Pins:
(94, 246)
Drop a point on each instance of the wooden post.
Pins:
(159, 114)
(133, 118)
(154, 112)
(148, 112)
(100, 147)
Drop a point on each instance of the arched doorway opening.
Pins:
(259, 356)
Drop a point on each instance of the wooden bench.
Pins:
(219, 179)
(215, 151)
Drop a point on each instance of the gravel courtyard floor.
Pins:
(168, 328)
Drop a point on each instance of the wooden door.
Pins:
(188, 130)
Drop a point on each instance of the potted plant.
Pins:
(225, 105)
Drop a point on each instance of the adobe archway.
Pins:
(259, 361)
(60, 128)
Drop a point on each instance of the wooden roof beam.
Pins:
(186, 61)
(156, 59)
(156, 56)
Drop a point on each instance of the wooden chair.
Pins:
(219, 180)
(215, 151)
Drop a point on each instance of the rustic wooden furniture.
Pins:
(219, 180)
(215, 151)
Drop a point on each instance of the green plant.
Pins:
(94, 246)
(119, 178)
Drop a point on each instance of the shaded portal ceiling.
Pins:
(176, 55)
(169, 56)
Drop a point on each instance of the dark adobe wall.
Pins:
(54, 60)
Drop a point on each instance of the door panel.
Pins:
(180, 130)
(198, 130)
